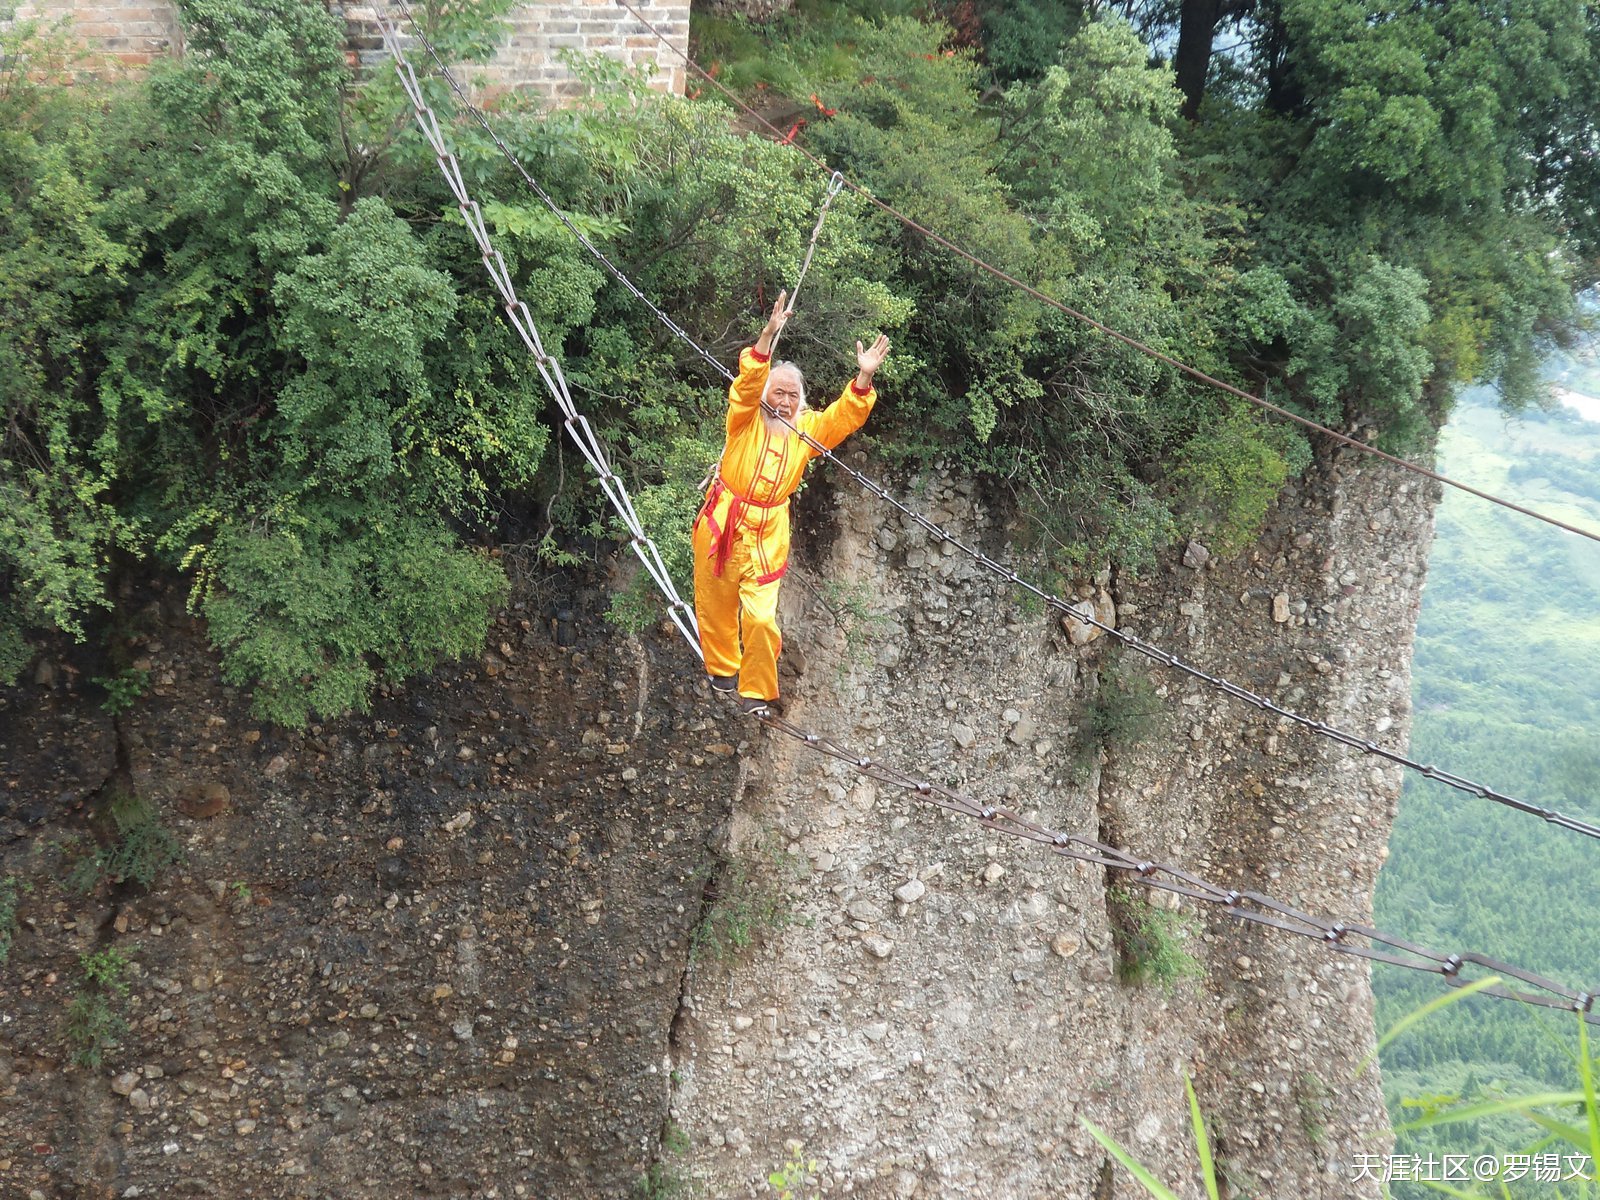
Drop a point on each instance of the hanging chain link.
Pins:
(1149, 650)
(1351, 938)
(549, 368)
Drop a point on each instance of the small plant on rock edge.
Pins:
(123, 689)
(673, 1139)
(1150, 941)
(104, 969)
(142, 849)
(1315, 1104)
(742, 907)
(1122, 712)
(743, 904)
(94, 1025)
(660, 1182)
(850, 605)
(663, 1180)
(797, 1178)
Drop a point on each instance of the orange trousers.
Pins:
(732, 608)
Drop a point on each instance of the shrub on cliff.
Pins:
(244, 333)
(226, 356)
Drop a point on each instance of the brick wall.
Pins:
(130, 31)
(135, 31)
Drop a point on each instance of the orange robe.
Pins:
(741, 534)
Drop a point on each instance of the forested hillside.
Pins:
(1506, 691)
(244, 338)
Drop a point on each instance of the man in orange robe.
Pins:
(741, 535)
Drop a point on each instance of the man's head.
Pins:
(785, 393)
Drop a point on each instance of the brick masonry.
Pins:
(134, 32)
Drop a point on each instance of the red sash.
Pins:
(724, 534)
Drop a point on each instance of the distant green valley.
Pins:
(1506, 688)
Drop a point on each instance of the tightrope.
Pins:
(1084, 613)
(1253, 907)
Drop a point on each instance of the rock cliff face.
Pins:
(556, 921)
(945, 1003)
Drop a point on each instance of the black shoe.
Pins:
(755, 706)
(724, 683)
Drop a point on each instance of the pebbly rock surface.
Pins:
(939, 1004)
(432, 951)
(554, 923)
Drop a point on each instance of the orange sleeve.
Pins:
(744, 393)
(841, 418)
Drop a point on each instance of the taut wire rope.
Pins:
(1126, 339)
(1249, 906)
(1084, 614)
(834, 185)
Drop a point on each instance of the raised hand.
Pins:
(780, 314)
(870, 358)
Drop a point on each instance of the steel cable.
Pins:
(1249, 906)
(1084, 614)
(1126, 339)
(834, 185)
(549, 368)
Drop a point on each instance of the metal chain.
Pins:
(1163, 657)
(549, 368)
(1246, 905)
(616, 272)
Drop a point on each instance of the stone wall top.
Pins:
(136, 32)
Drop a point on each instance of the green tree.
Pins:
(228, 360)
(1403, 173)
(62, 254)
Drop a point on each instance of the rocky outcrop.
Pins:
(554, 921)
(435, 950)
(943, 1004)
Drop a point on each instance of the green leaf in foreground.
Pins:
(1424, 1010)
(1489, 1108)
(1202, 1143)
(1140, 1172)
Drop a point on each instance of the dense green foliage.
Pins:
(243, 334)
(1506, 692)
(1372, 206)
(1073, 183)
(1419, 188)
(222, 355)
